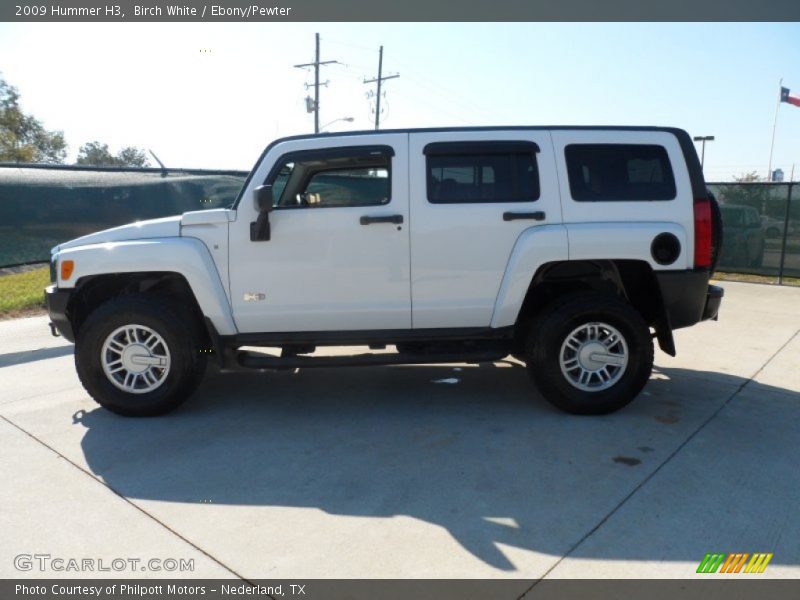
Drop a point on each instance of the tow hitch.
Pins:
(53, 329)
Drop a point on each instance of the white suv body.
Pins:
(446, 243)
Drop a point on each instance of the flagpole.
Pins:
(774, 127)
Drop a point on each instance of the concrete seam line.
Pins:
(672, 455)
(124, 499)
(4, 402)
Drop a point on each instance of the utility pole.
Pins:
(379, 80)
(316, 64)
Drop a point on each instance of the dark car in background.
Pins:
(743, 233)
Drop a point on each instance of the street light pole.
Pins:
(348, 119)
(703, 139)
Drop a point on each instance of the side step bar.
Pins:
(254, 360)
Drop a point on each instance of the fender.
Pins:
(620, 241)
(533, 248)
(186, 256)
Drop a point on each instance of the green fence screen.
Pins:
(41, 206)
(761, 224)
(44, 206)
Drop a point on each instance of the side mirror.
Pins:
(263, 198)
(260, 228)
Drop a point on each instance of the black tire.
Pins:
(553, 326)
(179, 332)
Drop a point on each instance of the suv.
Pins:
(569, 248)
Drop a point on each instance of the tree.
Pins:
(97, 154)
(766, 199)
(131, 156)
(23, 138)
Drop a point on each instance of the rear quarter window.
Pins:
(619, 172)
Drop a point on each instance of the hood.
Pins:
(154, 228)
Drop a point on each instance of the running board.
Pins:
(255, 360)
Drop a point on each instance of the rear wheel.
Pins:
(589, 353)
(139, 356)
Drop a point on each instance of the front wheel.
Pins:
(590, 354)
(139, 356)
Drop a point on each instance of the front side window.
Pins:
(609, 172)
(348, 187)
(482, 172)
(333, 178)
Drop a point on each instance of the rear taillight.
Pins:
(702, 233)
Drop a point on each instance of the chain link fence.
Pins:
(41, 206)
(761, 229)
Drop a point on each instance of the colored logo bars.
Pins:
(734, 562)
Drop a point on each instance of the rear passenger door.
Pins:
(472, 193)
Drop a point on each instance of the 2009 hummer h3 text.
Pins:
(570, 248)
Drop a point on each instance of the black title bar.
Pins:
(262, 11)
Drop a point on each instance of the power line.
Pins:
(347, 44)
(313, 105)
(436, 87)
(379, 80)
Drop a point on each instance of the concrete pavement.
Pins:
(429, 471)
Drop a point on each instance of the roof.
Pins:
(325, 135)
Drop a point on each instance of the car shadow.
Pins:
(11, 359)
(473, 449)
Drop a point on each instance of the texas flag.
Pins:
(787, 97)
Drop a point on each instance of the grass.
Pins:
(23, 293)
(747, 278)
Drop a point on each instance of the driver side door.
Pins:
(338, 254)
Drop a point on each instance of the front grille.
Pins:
(53, 262)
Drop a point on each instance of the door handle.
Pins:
(513, 216)
(367, 220)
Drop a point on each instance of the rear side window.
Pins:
(619, 172)
(472, 172)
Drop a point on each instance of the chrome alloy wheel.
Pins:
(593, 357)
(135, 359)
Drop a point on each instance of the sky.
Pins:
(212, 95)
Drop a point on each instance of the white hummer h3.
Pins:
(569, 248)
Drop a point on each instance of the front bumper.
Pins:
(57, 301)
